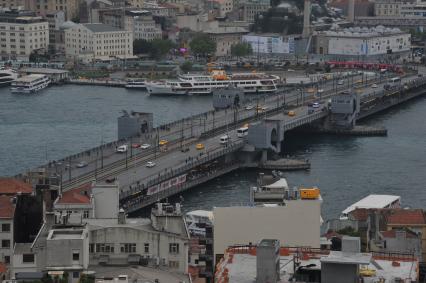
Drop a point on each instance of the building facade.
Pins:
(21, 33)
(146, 28)
(225, 37)
(7, 212)
(97, 41)
(252, 8)
(363, 42)
(250, 224)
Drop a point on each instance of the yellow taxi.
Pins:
(291, 113)
(199, 146)
(163, 142)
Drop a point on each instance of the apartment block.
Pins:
(97, 41)
(21, 32)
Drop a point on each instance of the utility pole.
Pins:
(181, 135)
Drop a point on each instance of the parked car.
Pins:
(136, 145)
(185, 149)
(374, 86)
(315, 105)
(291, 113)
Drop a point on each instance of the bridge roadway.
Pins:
(104, 162)
(130, 167)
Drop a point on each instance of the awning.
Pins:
(133, 259)
(29, 275)
(281, 183)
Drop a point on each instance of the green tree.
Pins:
(202, 45)
(142, 46)
(349, 231)
(241, 49)
(186, 66)
(160, 47)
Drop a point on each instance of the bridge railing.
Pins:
(167, 174)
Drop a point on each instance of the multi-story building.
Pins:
(21, 33)
(140, 22)
(146, 28)
(56, 20)
(7, 212)
(363, 42)
(252, 8)
(225, 37)
(97, 41)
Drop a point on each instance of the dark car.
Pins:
(185, 149)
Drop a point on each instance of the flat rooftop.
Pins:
(65, 234)
(242, 268)
(30, 78)
(44, 71)
(372, 201)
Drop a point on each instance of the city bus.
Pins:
(242, 132)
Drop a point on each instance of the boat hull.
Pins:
(20, 90)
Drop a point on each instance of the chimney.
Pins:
(121, 216)
(307, 19)
(351, 10)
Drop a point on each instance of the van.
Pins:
(224, 139)
(122, 148)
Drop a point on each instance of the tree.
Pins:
(186, 66)
(141, 46)
(202, 45)
(160, 47)
(241, 49)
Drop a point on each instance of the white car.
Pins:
(122, 148)
(315, 105)
(340, 82)
(249, 107)
(145, 146)
(81, 164)
(320, 90)
(374, 86)
(150, 164)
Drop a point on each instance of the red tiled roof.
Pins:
(80, 195)
(392, 234)
(7, 208)
(360, 214)
(3, 267)
(12, 186)
(406, 217)
(332, 234)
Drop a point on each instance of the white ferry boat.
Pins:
(7, 76)
(205, 84)
(30, 83)
(197, 220)
(136, 84)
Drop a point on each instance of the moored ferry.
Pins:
(7, 76)
(30, 84)
(191, 84)
(136, 84)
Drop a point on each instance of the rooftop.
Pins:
(406, 217)
(393, 233)
(12, 186)
(80, 195)
(373, 201)
(22, 248)
(7, 208)
(240, 265)
(43, 70)
(227, 30)
(101, 28)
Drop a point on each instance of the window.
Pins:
(128, 248)
(105, 248)
(7, 259)
(86, 214)
(91, 248)
(75, 255)
(174, 248)
(5, 243)
(76, 274)
(5, 227)
(28, 258)
(146, 248)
